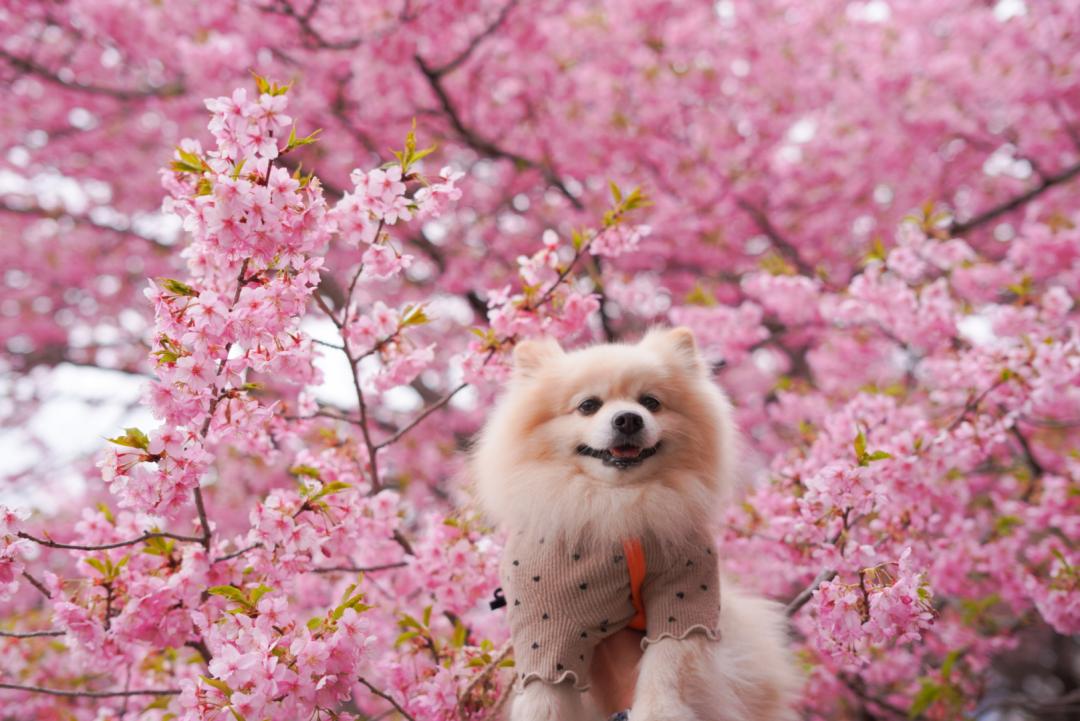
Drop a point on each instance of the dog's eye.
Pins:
(589, 406)
(650, 402)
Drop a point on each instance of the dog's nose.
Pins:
(627, 422)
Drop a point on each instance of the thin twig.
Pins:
(1013, 203)
(91, 694)
(807, 593)
(421, 416)
(106, 546)
(486, 671)
(30, 634)
(359, 569)
(782, 244)
(29, 66)
(483, 145)
(236, 554)
(37, 584)
(388, 697)
(464, 55)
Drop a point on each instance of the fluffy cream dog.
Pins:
(586, 450)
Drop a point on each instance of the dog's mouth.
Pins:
(621, 456)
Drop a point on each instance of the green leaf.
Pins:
(98, 565)
(700, 295)
(230, 592)
(218, 684)
(928, 693)
(578, 238)
(413, 315)
(132, 438)
(309, 471)
(407, 635)
(330, 489)
(188, 163)
(460, 634)
(860, 446)
(266, 86)
(159, 547)
(410, 154)
(950, 662)
(104, 508)
(176, 287)
(296, 142)
(878, 456)
(427, 616)
(159, 703)
(258, 592)
(616, 194)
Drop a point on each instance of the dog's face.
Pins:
(605, 417)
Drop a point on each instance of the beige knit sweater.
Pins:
(564, 598)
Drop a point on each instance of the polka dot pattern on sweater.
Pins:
(568, 598)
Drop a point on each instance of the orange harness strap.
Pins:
(635, 564)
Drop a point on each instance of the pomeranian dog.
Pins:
(606, 466)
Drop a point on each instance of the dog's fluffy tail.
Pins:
(754, 675)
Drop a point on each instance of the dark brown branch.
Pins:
(29, 66)
(807, 593)
(387, 697)
(1008, 206)
(1029, 456)
(420, 417)
(360, 569)
(486, 671)
(37, 584)
(303, 20)
(91, 694)
(30, 634)
(464, 55)
(106, 546)
(202, 649)
(483, 145)
(39, 212)
(782, 244)
(237, 554)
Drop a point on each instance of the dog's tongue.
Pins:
(625, 451)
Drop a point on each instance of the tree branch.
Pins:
(420, 418)
(807, 593)
(360, 569)
(106, 546)
(482, 145)
(464, 55)
(486, 671)
(388, 697)
(990, 214)
(782, 244)
(26, 65)
(30, 634)
(90, 694)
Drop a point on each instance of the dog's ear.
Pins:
(677, 341)
(530, 355)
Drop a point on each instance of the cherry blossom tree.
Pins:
(865, 211)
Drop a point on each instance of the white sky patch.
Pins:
(977, 329)
(875, 11)
(82, 407)
(802, 131)
(1003, 161)
(1008, 9)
